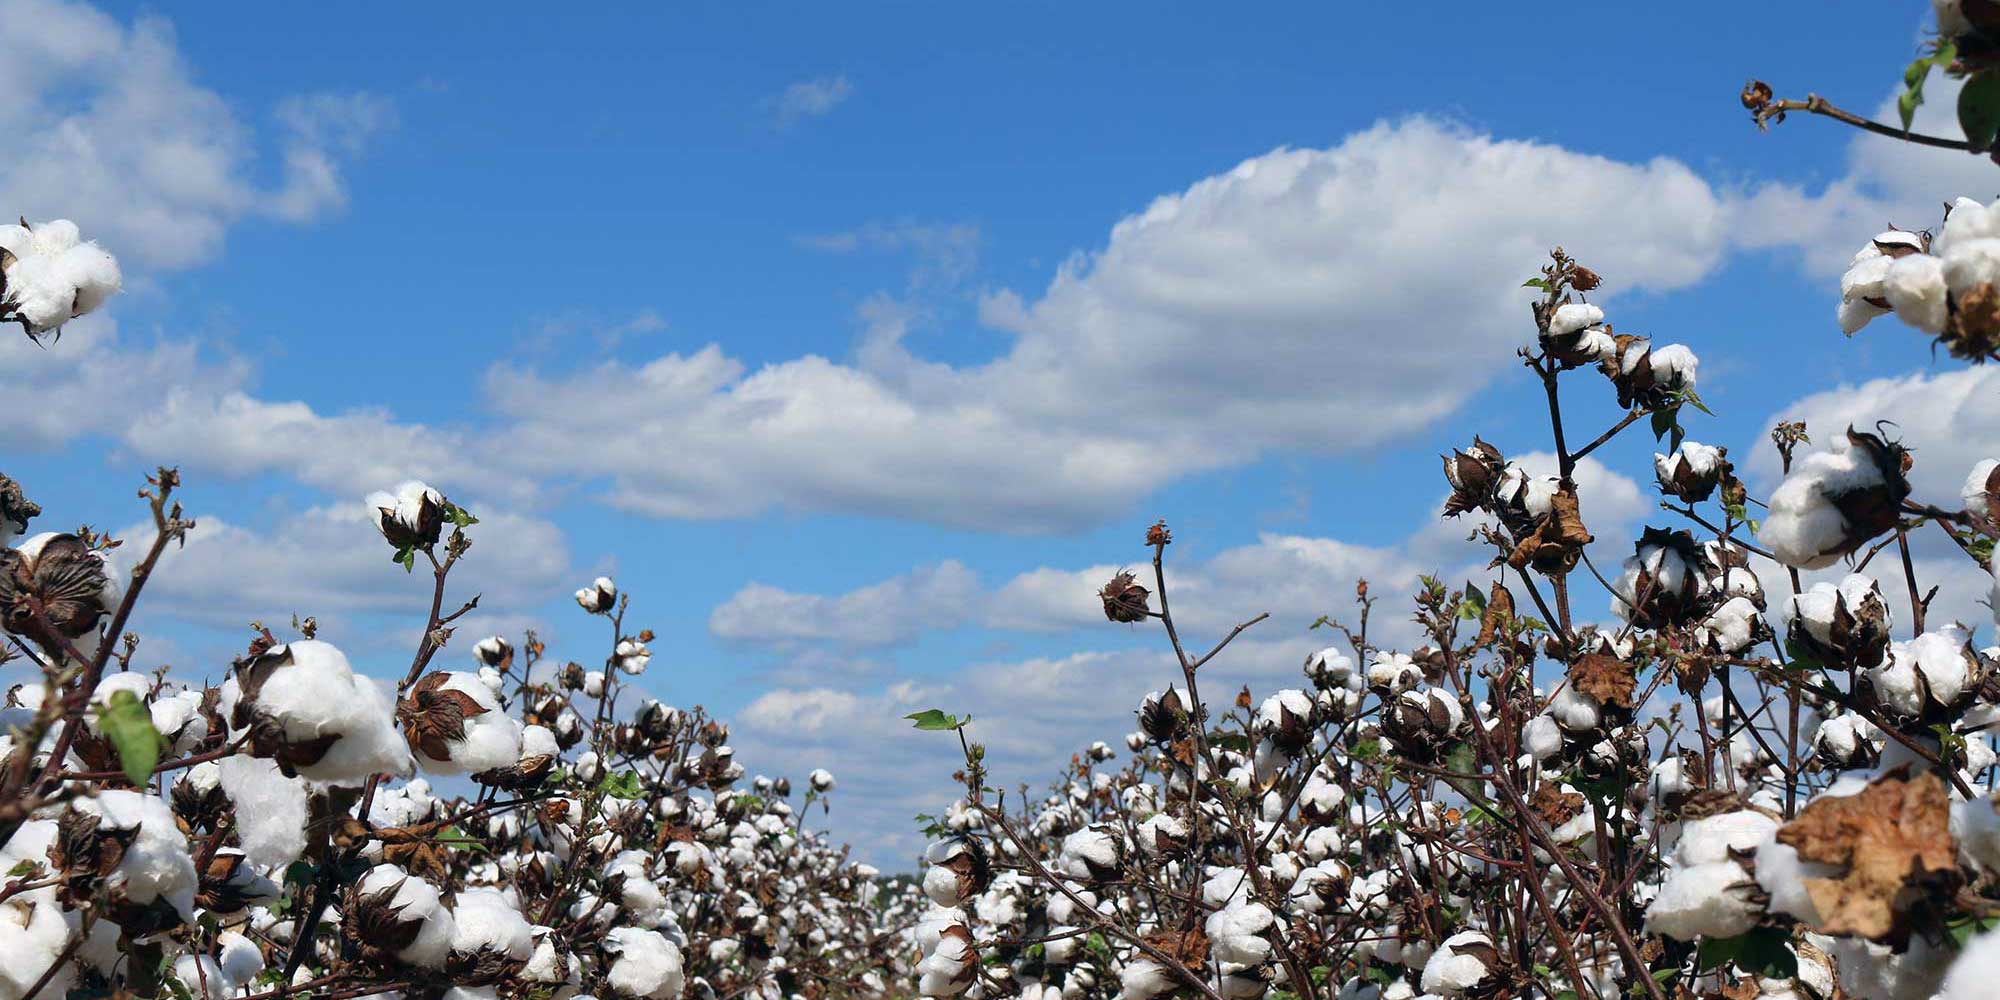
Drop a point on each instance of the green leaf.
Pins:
(25, 868)
(933, 720)
(1962, 930)
(126, 723)
(1979, 109)
(1368, 749)
(623, 785)
(1764, 951)
(406, 557)
(459, 516)
(452, 836)
(1664, 420)
(1914, 76)
(1535, 283)
(1473, 607)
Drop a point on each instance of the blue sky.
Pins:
(853, 340)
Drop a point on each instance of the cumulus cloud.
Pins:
(1324, 300)
(144, 158)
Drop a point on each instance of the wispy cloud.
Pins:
(810, 98)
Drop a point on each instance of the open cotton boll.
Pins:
(55, 276)
(410, 516)
(1915, 288)
(270, 809)
(1707, 900)
(1717, 838)
(35, 927)
(1235, 933)
(1804, 528)
(1571, 317)
(1674, 366)
(240, 958)
(410, 899)
(644, 964)
(1460, 964)
(1143, 979)
(457, 714)
(308, 690)
(485, 920)
(1934, 665)
(538, 741)
(1783, 877)
(156, 863)
(1732, 628)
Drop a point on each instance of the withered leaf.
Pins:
(1608, 679)
(1893, 839)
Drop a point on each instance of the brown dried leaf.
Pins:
(1893, 839)
(1608, 679)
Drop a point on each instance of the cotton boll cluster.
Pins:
(52, 275)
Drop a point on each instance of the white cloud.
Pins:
(1324, 300)
(124, 140)
(331, 563)
(810, 98)
(877, 615)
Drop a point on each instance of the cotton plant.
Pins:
(278, 825)
(1759, 773)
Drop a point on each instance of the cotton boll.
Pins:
(487, 736)
(1915, 288)
(1707, 900)
(1460, 964)
(307, 691)
(1571, 317)
(1674, 367)
(270, 810)
(1933, 669)
(484, 920)
(156, 863)
(1976, 970)
(1717, 838)
(412, 899)
(1804, 529)
(1575, 711)
(645, 964)
(410, 517)
(821, 780)
(1394, 672)
(34, 925)
(55, 276)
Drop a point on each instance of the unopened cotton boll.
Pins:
(54, 275)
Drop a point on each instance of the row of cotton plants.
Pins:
(1764, 769)
(495, 822)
